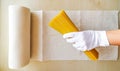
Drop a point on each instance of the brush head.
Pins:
(62, 23)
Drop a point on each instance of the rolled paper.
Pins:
(36, 36)
(19, 36)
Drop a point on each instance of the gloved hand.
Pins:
(87, 40)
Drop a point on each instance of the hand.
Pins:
(87, 40)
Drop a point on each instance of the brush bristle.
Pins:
(62, 23)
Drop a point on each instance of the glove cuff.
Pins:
(102, 36)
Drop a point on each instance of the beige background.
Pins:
(55, 5)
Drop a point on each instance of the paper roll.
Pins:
(36, 36)
(19, 36)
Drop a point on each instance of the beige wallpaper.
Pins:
(55, 5)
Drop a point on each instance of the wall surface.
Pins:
(55, 5)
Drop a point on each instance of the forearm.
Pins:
(113, 37)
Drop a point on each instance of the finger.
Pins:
(68, 35)
(82, 49)
(71, 40)
(79, 44)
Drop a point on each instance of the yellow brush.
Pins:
(63, 24)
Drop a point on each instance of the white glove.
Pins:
(87, 40)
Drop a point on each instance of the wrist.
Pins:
(102, 38)
(113, 37)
